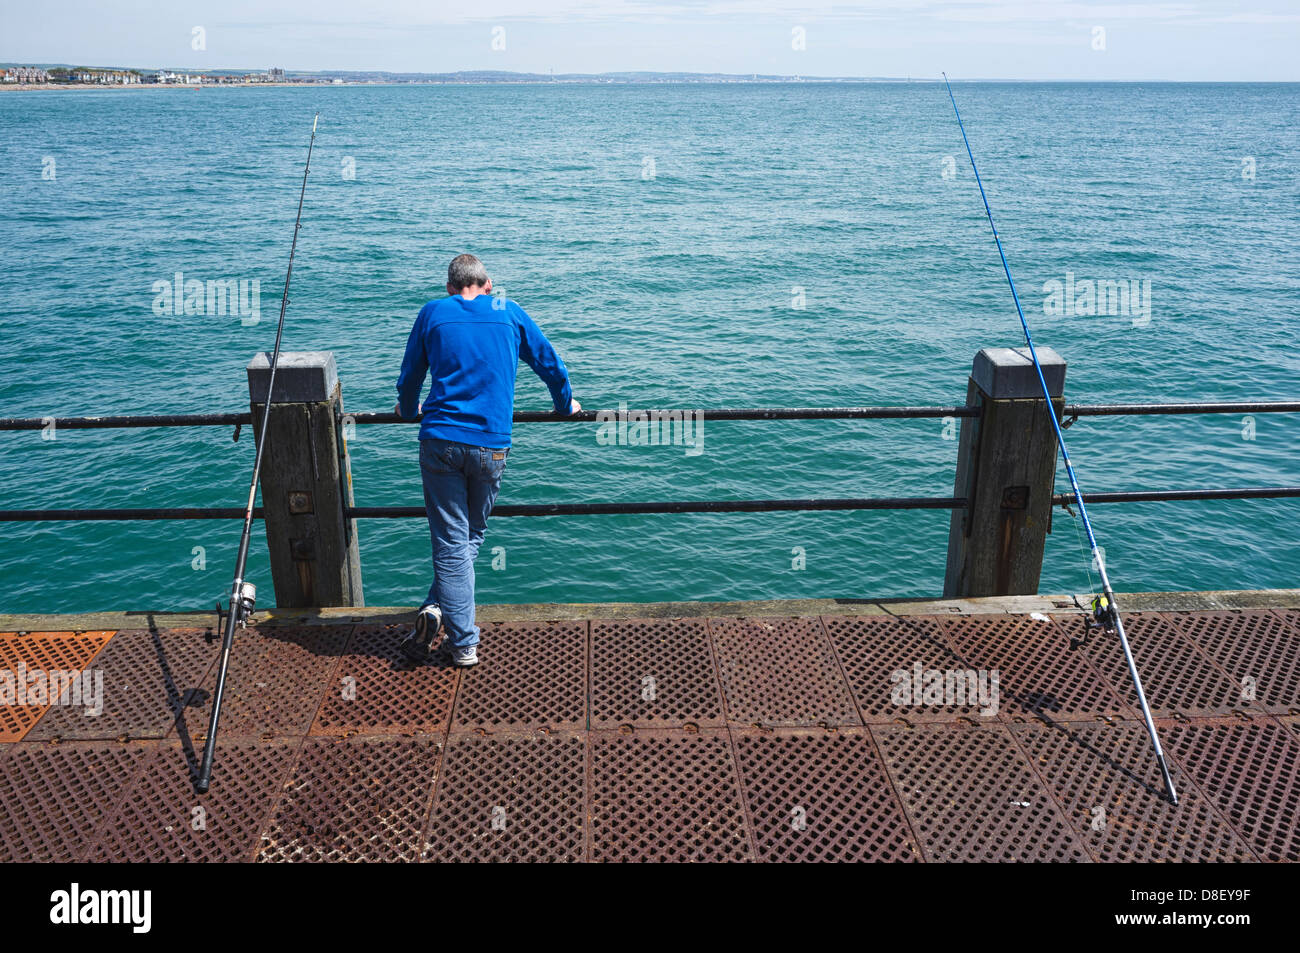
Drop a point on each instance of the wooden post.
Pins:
(1006, 469)
(306, 481)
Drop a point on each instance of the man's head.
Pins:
(467, 277)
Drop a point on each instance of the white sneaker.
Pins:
(420, 642)
(464, 658)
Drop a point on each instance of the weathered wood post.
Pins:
(1006, 469)
(306, 481)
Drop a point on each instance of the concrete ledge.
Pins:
(1129, 602)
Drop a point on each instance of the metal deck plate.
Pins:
(1177, 676)
(666, 796)
(1107, 779)
(276, 682)
(1290, 616)
(821, 796)
(41, 653)
(881, 654)
(163, 819)
(1259, 650)
(971, 795)
(376, 690)
(53, 798)
(1019, 789)
(354, 799)
(653, 673)
(510, 798)
(1251, 770)
(149, 676)
(1038, 672)
(529, 675)
(780, 672)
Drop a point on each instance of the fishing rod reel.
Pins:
(243, 603)
(1098, 616)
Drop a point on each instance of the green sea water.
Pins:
(683, 246)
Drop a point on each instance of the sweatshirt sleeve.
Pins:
(415, 365)
(538, 353)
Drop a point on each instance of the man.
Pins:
(470, 343)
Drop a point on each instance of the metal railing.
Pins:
(1070, 413)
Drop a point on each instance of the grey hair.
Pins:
(465, 270)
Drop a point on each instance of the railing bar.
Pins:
(722, 413)
(680, 506)
(651, 507)
(1161, 496)
(1140, 410)
(125, 422)
(141, 513)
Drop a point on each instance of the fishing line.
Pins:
(1106, 609)
(243, 595)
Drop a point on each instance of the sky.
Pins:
(1197, 40)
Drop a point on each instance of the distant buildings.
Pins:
(165, 77)
(105, 77)
(180, 79)
(24, 74)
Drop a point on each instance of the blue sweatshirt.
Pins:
(472, 351)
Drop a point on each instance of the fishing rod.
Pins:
(1106, 610)
(243, 595)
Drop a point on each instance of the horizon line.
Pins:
(749, 76)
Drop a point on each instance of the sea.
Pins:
(683, 246)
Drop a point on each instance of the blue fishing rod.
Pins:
(1107, 611)
(243, 595)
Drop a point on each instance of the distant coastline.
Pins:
(52, 76)
(104, 87)
(146, 79)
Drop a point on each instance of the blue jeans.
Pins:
(460, 486)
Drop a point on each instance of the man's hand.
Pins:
(397, 409)
(574, 406)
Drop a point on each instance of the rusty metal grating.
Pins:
(1251, 770)
(1259, 650)
(1038, 672)
(163, 819)
(666, 796)
(1177, 676)
(1290, 616)
(376, 690)
(971, 795)
(148, 677)
(1106, 778)
(54, 797)
(780, 672)
(883, 655)
(38, 656)
(819, 796)
(510, 798)
(354, 799)
(529, 675)
(653, 673)
(277, 678)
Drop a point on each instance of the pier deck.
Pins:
(689, 731)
